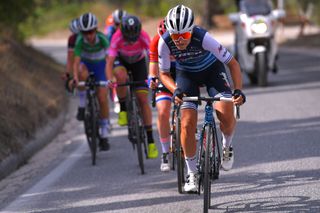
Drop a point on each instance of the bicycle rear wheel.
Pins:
(207, 170)
(180, 157)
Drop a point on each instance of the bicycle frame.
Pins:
(209, 121)
(209, 157)
(135, 125)
(92, 114)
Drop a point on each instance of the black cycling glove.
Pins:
(177, 93)
(67, 83)
(237, 93)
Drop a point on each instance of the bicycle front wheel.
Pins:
(139, 148)
(216, 157)
(180, 157)
(91, 130)
(138, 135)
(206, 170)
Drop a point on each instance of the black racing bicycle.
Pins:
(136, 133)
(92, 114)
(209, 149)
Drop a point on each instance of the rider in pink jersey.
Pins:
(128, 51)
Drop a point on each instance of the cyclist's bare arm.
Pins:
(154, 73)
(109, 67)
(235, 73)
(236, 78)
(167, 80)
(70, 60)
(76, 64)
(153, 69)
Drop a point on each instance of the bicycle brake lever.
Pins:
(237, 112)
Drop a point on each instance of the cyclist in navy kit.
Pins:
(200, 61)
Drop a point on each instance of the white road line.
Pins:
(49, 179)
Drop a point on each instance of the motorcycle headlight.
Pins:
(259, 27)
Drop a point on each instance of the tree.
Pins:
(211, 8)
(13, 13)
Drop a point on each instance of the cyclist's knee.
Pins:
(83, 69)
(102, 95)
(83, 76)
(226, 116)
(144, 101)
(119, 70)
(227, 123)
(121, 78)
(120, 74)
(164, 113)
(189, 127)
(188, 119)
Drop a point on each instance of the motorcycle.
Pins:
(255, 45)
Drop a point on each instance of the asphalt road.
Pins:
(277, 159)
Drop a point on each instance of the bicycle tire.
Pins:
(91, 129)
(88, 131)
(207, 170)
(137, 135)
(130, 120)
(143, 136)
(200, 161)
(172, 155)
(173, 147)
(180, 157)
(216, 158)
(94, 139)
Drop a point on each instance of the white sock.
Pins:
(165, 144)
(227, 140)
(104, 128)
(82, 98)
(191, 164)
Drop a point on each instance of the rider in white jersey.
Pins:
(200, 61)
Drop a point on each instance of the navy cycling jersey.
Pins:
(200, 54)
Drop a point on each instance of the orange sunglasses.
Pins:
(184, 36)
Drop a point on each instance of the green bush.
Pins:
(12, 13)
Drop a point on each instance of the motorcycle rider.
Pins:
(252, 13)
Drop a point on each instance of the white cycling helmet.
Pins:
(117, 15)
(87, 22)
(180, 19)
(74, 26)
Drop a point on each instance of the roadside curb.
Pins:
(42, 137)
